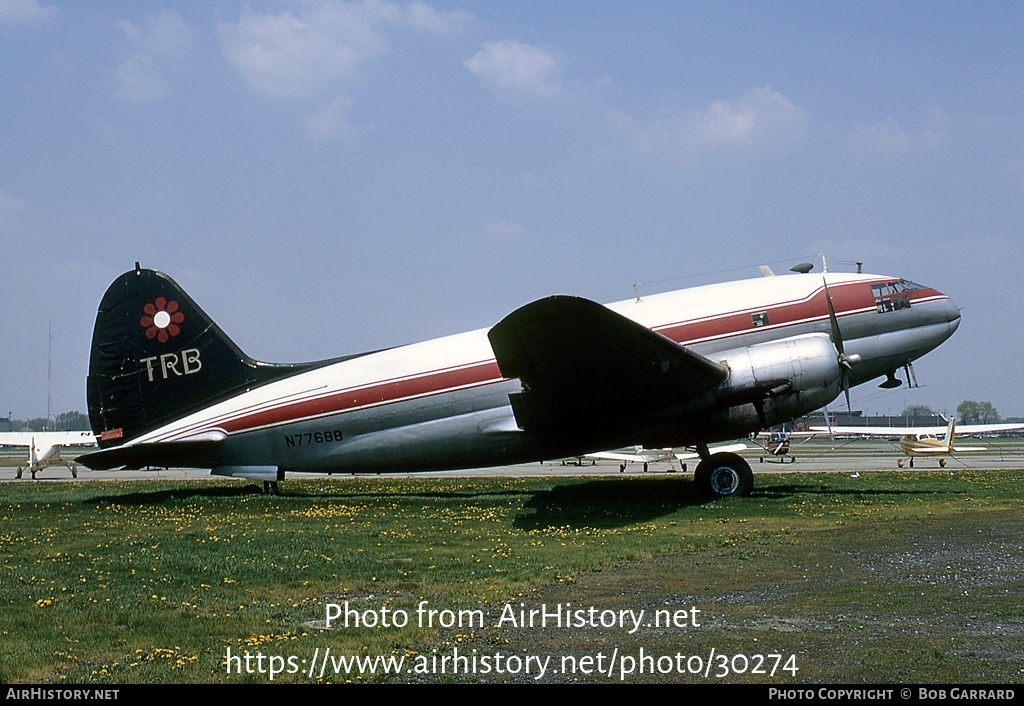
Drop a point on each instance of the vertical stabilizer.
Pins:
(157, 356)
(951, 433)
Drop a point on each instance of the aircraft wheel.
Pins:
(724, 475)
(942, 463)
(911, 461)
(899, 463)
(19, 472)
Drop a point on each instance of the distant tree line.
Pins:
(971, 412)
(65, 421)
(967, 412)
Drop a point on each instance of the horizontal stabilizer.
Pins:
(175, 454)
(581, 364)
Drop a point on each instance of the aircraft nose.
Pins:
(951, 315)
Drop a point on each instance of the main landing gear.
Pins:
(900, 462)
(723, 475)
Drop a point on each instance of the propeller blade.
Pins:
(845, 363)
(828, 423)
(837, 334)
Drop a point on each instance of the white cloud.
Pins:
(424, 17)
(300, 55)
(889, 138)
(9, 205)
(505, 232)
(761, 119)
(138, 81)
(164, 42)
(166, 35)
(518, 68)
(25, 11)
(330, 121)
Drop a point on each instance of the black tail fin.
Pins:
(156, 356)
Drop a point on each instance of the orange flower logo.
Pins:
(162, 319)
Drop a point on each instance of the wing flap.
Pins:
(581, 364)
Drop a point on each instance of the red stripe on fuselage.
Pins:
(430, 383)
(847, 298)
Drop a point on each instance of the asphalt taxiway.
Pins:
(815, 455)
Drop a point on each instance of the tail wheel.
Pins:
(724, 475)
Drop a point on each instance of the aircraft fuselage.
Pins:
(445, 404)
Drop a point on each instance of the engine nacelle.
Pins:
(782, 379)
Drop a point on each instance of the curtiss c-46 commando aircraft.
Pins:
(559, 377)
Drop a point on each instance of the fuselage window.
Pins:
(760, 318)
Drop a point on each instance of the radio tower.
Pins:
(49, 375)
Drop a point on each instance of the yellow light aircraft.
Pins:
(926, 441)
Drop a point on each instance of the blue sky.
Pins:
(329, 177)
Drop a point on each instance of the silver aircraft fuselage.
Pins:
(446, 404)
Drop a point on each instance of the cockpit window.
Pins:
(896, 287)
(893, 296)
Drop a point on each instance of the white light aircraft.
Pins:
(44, 447)
(779, 444)
(559, 377)
(639, 454)
(925, 441)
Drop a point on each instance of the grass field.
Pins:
(887, 577)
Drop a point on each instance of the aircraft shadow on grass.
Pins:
(177, 494)
(596, 504)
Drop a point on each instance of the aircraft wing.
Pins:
(936, 431)
(881, 431)
(625, 456)
(581, 364)
(728, 448)
(642, 455)
(48, 438)
(986, 428)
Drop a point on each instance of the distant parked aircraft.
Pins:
(639, 454)
(44, 447)
(926, 441)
